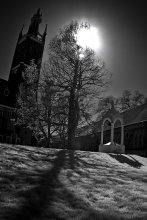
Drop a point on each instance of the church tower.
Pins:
(29, 47)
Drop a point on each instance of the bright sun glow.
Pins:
(89, 38)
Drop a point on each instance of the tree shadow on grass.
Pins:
(72, 159)
(42, 195)
(124, 159)
(77, 165)
(38, 200)
(76, 161)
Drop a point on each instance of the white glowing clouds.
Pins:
(89, 37)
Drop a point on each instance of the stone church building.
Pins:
(30, 46)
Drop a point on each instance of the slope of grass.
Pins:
(38, 183)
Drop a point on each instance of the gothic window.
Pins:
(6, 91)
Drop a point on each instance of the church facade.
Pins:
(30, 46)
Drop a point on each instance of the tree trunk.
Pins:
(71, 121)
(49, 121)
(73, 110)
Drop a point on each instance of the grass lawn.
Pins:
(39, 183)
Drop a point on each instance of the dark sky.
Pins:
(122, 25)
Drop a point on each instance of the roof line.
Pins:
(5, 106)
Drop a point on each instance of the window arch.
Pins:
(6, 91)
(107, 130)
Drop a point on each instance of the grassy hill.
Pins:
(39, 183)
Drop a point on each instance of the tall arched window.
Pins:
(6, 91)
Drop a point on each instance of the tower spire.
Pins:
(38, 12)
(35, 21)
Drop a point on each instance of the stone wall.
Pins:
(112, 148)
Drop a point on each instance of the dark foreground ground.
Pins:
(41, 184)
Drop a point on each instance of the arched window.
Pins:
(106, 130)
(6, 91)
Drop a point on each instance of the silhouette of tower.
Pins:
(29, 47)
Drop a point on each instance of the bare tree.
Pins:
(104, 105)
(81, 80)
(37, 104)
(138, 98)
(130, 99)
